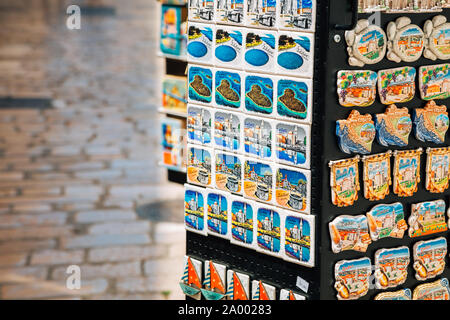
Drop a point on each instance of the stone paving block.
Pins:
(164, 267)
(26, 245)
(54, 257)
(14, 259)
(19, 220)
(107, 270)
(120, 227)
(35, 232)
(104, 215)
(126, 253)
(23, 274)
(104, 240)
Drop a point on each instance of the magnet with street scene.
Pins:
(299, 238)
(258, 180)
(191, 281)
(349, 233)
(194, 209)
(258, 137)
(431, 123)
(228, 12)
(297, 15)
(263, 291)
(293, 188)
(199, 166)
(429, 258)
(434, 81)
(293, 144)
(387, 220)
(400, 295)
(393, 126)
(377, 175)
(356, 133)
(228, 172)
(391, 267)
(437, 31)
(217, 214)
(242, 222)
(261, 14)
(201, 11)
(199, 125)
(352, 278)
(344, 181)
(238, 286)
(356, 88)
(227, 131)
(438, 169)
(214, 284)
(437, 290)
(427, 218)
(406, 41)
(396, 85)
(295, 54)
(406, 172)
(291, 295)
(294, 99)
(269, 226)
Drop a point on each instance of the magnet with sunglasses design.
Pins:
(400, 295)
(377, 175)
(259, 94)
(214, 284)
(238, 286)
(434, 82)
(229, 48)
(356, 133)
(299, 238)
(349, 233)
(406, 172)
(200, 43)
(228, 89)
(258, 137)
(366, 44)
(228, 172)
(393, 126)
(199, 125)
(262, 291)
(391, 267)
(194, 209)
(427, 218)
(387, 220)
(437, 31)
(243, 216)
(356, 88)
(200, 86)
(295, 54)
(290, 295)
(268, 230)
(437, 290)
(199, 166)
(293, 144)
(227, 131)
(406, 41)
(344, 181)
(230, 12)
(396, 85)
(293, 188)
(438, 169)
(217, 207)
(297, 15)
(352, 278)
(429, 258)
(431, 123)
(258, 180)
(294, 99)
(260, 50)
(191, 280)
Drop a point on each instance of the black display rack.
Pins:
(333, 18)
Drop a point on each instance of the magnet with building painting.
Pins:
(243, 216)
(356, 88)
(366, 44)
(429, 258)
(427, 218)
(396, 85)
(199, 125)
(356, 133)
(368, 6)
(299, 238)
(227, 131)
(199, 166)
(258, 137)
(406, 172)
(217, 207)
(293, 188)
(293, 144)
(238, 286)
(431, 123)
(297, 15)
(387, 220)
(393, 126)
(349, 233)
(290, 295)
(377, 175)
(230, 12)
(268, 227)
(263, 291)
(194, 209)
(434, 82)
(344, 181)
(201, 11)
(428, 5)
(400, 6)
(261, 14)
(352, 278)
(191, 281)
(437, 31)
(438, 169)
(406, 41)
(228, 172)
(403, 294)
(437, 290)
(391, 267)
(258, 180)
(214, 284)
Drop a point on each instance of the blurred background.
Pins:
(81, 181)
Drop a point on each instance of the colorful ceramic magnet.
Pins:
(377, 175)
(194, 209)
(173, 143)
(243, 215)
(391, 267)
(229, 49)
(393, 126)
(344, 181)
(356, 88)
(387, 220)
(427, 218)
(214, 285)
(217, 214)
(429, 258)
(437, 290)
(200, 43)
(396, 6)
(261, 14)
(293, 188)
(191, 281)
(260, 50)
(230, 12)
(290, 295)
(174, 93)
(295, 54)
(258, 137)
(299, 239)
(293, 144)
(396, 85)
(356, 133)
(268, 233)
(406, 172)
(227, 131)
(228, 172)
(200, 84)
(446, 4)
(202, 11)
(199, 166)
(406, 41)
(438, 169)
(366, 44)
(262, 291)
(228, 89)
(297, 15)
(349, 233)
(434, 82)
(352, 278)
(198, 125)
(259, 93)
(403, 294)
(294, 99)
(367, 6)
(437, 32)
(258, 180)
(431, 123)
(428, 5)
(238, 286)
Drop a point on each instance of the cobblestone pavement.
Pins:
(72, 176)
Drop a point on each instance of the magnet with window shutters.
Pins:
(431, 123)
(238, 286)
(352, 278)
(344, 181)
(393, 126)
(214, 284)
(377, 175)
(356, 133)
(349, 233)
(387, 220)
(406, 41)
(437, 31)
(391, 267)
(437, 290)
(191, 281)
(429, 258)
(262, 291)
(406, 172)
(438, 169)
(427, 218)
(403, 294)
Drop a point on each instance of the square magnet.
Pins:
(200, 43)
(263, 291)
(259, 91)
(258, 137)
(201, 11)
(199, 166)
(261, 14)
(194, 209)
(295, 54)
(199, 125)
(238, 285)
(258, 180)
(297, 15)
(292, 144)
(230, 12)
(243, 217)
(293, 98)
(269, 235)
(227, 131)
(200, 84)
(228, 89)
(291, 295)
(214, 285)
(229, 47)
(228, 172)
(217, 210)
(260, 50)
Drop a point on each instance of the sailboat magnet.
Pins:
(429, 258)
(263, 291)
(214, 285)
(290, 295)
(438, 169)
(191, 281)
(238, 286)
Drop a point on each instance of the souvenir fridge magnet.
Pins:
(258, 137)
(356, 88)
(344, 181)
(259, 93)
(293, 188)
(228, 89)
(200, 43)
(227, 131)
(290, 295)
(356, 133)
(191, 281)
(393, 126)
(434, 82)
(199, 166)
(366, 44)
(262, 291)
(200, 84)
(406, 172)
(202, 11)
(297, 15)
(427, 218)
(391, 267)
(438, 169)
(258, 180)
(396, 85)
(437, 290)
(294, 99)
(299, 238)
(429, 258)
(228, 172)
(387, 220)
(437, 31)
(242, 222)
(428, 5)
(295, 54)
(238, 286)
(199, 125)
(230, 12)
(217, 211)
(352, 278)
(261, 14)
(368, 6)
(395, 6)
(349, 233)
(406, 41)
(194, 209)
(268, 226)
(403, 294)
(431, 123)
(377, 175)
(214, 285)
(293, 144)
(260, 50)
(229, 47)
